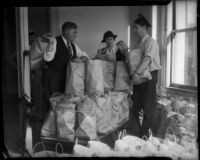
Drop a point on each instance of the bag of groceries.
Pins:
(122, 78)
(86, 119)
(49, 125)
(103, 113)
(120, 108)
(65, 113)
(94, 78)
(134, 58)
(75, 79)
(108, 75)
(142, 77)
(37, 52)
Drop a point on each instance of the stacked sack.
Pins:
(95, 101)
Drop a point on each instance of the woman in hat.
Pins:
(110, 52)
(144, 94)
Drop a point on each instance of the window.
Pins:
(182, 16)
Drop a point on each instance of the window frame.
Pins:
(173, 34)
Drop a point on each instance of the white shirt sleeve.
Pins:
(49, 55)
(80, 53)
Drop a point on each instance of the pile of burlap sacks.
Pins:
(96, 101)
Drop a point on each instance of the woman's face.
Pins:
(109, 41)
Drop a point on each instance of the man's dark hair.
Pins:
(142, 21)
(69, 25)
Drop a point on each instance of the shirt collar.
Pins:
(145, 37)
(64, 40)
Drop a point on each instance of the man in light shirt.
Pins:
(144, 94)
(60, 51)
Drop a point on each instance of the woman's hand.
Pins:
(121, 45)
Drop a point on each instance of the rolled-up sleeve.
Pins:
(80, 53)
(151, 48)
(49, 55)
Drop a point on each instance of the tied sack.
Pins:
(75, 80)
(103, 113)
(36, 53)
(142, 77)
(120, 108)
(122, 78)
(108, 75)
(49, 125)
(94, 78)
(134, 58)
(86, 119)
(65, 113)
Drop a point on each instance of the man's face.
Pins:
(138, 29)
(70, 34)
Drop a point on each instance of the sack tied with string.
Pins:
(86, 119)
(122, 78)
(65, 113)
(75, 79)
(120, 108)
(49, 126)
(36, 53)
(134, 58)
(108, 75)
(94, 78)
(103, 113)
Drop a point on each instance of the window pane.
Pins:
(186, 14)
(184, 58)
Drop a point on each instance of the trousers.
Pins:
(144, 98)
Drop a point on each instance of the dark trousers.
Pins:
(54, 82)
(144, 97)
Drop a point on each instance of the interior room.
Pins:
(173, 28)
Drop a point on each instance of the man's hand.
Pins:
(136, 78)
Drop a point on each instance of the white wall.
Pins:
(94, 21)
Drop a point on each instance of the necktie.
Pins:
(69, 50)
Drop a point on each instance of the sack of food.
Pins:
(108, 75)
(100, 149)
(65, 112)
(49, 126)
(134, 58)
(86, 119)
(37, 53)
(75, 79)
(103, 113)
(122, 78)
(120, 107)
(94, 78)
(82, 151)
(142, 77)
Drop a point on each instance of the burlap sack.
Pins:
(108, 75)
(103, 113)
(36, 53)
(134, 58)
(142, 77)
(49, 125)
(120, 108)
(86, 119)
(122, 79)
(65, 112)
(75, 79)
(94, 78)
